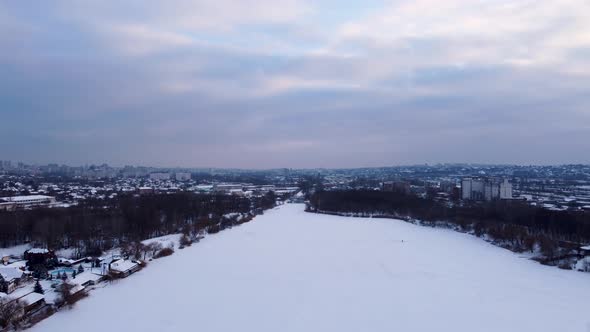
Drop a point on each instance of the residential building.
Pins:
(160, 176)
(11, 277)
(123, 268)
(16, 202)
(488, 189)
(146, 190)
(505, 189)
(181, 176)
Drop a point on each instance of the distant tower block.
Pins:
(477, 189)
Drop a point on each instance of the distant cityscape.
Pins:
(563, 187)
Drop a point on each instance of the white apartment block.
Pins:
(478, 189)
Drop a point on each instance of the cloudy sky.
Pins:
(290, 83)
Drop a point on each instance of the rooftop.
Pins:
(10, 273)
(37, 251)
(32, 298)
(24, 198)
(123, 265)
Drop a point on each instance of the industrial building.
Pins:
(485, 189)
(16, 202)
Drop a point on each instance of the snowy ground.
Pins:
(293, 271)
(16, 250)
(165, 241)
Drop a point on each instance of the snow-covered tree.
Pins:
(38, 288)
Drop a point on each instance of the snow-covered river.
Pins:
(293, 271)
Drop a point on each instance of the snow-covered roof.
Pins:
(122, 265)
(10, 273)
(76, 289)
(32, 298)
(37, 251)
(19, 264)
(85, 277)
(25, 198)
(66, 260)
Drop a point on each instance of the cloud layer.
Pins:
(295, 83)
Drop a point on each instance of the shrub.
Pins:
(164, 252)
(185, 241)
(153, 248)
(214, 229)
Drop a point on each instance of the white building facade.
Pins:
(479, 189)
(15, 202)
(160, 176)
(182, 176)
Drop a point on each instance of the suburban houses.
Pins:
(36, 280)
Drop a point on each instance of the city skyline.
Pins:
(297, 84)
(15, 165)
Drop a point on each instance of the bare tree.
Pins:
(153, 248)
(11, 313)
(133, 249)
(185, 241)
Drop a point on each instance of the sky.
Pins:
(295, 83)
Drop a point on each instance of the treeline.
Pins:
(512, 222)
(98, 225)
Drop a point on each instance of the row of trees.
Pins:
(97, 225)
(516, 223)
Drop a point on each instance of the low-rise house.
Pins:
(88, 279)
(70, 262)
(40, 256)
(145, 190)
(32, 301)
(123, 268)
(10, 279)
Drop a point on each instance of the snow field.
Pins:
(294, 271)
